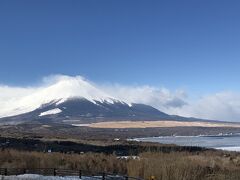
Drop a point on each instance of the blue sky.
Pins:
(192, 44)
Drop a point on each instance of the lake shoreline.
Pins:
(228, 142)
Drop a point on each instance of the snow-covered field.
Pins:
(40, 177)
(234, 148)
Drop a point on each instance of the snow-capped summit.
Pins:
(66, 87)
(56, 89)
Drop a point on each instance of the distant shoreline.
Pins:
(154, 124)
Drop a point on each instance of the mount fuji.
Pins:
(69, 99)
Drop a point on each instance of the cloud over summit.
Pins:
(219, 106)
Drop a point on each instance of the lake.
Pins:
(224, 142)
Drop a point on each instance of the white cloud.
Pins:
(160, 98)
(219, 106)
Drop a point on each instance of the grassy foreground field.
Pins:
(164, 166)
(95, 149)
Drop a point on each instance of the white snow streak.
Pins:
(52, 111)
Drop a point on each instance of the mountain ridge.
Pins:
(81, 110)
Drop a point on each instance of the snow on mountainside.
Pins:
(83, 111)
(49, 112)
(60, 89)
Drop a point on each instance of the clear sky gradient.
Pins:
(192, 44)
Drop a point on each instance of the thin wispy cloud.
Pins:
(220, 106)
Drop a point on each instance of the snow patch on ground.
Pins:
(52, 111)
(40, 177)
(234, 148)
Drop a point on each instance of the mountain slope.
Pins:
(85, 111)
(68, 100)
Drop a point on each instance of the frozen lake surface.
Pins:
(224, 142)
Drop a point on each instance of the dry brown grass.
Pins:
(96, 162)
(186, 166)
(154, 124)
(210, 165)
